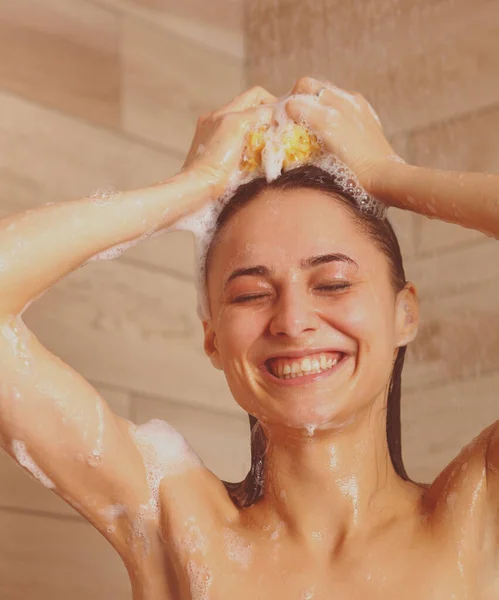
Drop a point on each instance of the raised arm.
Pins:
(351, 130)
(51, 420)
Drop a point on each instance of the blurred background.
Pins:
(100, 92)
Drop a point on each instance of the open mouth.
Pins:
(307, 368)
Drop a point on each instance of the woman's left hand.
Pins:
(346, 124)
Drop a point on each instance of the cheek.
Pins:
(368, 318)
(237, 333)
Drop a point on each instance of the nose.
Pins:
(294, 314)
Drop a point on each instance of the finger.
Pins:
(310, 110)
(255, 96)
(308, 85)
(251, 118)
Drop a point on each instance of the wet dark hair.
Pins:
(379, 229)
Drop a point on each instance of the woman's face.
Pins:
(272, 296)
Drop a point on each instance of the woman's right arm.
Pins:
(52, 421)
(39, 246)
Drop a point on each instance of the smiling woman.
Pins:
(311, 181)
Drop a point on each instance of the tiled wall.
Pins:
(430, 71)
(98, 92)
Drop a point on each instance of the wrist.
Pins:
(204, 181)
(383, 180)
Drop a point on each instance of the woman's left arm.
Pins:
(350, 129)
(467, 199)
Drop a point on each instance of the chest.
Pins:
(224, 564)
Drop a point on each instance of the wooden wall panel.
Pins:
(45, 558)
(438, 422)
(49, 157)
(458, 337)
(417, 63)
(63, 54)
(168, 82)
(217, 24)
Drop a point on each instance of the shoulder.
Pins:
(465, 495)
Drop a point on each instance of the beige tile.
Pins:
(438, 422)
(449, 272)
(21, 491)
(47, 558)
(218, 24)
(169, 82)
(403, 223)
(68, 159)
(458, 337)
(63, 54)
(127, 327)
(416, 63)
(221, 440)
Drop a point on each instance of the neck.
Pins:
(335, 483)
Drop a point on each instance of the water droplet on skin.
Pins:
(104, 194)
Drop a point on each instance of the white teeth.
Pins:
(306, 367)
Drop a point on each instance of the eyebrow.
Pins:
(306, 263)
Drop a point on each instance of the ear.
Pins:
(210, 345)
(407, 315)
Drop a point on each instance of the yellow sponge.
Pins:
(298, 143)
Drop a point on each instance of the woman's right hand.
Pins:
(217, 148)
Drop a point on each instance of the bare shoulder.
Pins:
(463, 501)
(469, 472)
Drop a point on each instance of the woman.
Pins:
(295, 271)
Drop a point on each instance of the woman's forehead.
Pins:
(282, 228)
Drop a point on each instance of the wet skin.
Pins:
(335, 520)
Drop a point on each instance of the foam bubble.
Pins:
(237, 548)
(164, 451)
(193, 539)
(310, 429)
(277, 531)
(25, 460)
(200, 580)
(95, 456)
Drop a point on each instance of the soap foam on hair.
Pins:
(203, 223)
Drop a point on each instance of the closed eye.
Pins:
(338, 286)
